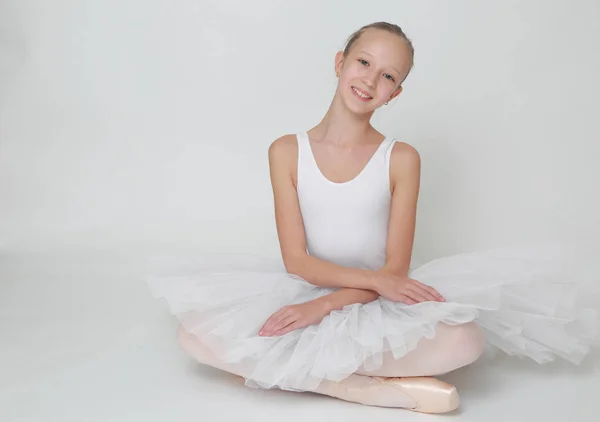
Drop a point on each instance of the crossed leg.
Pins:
(452, 347)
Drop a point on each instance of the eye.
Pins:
(390, 77)
(363, 62)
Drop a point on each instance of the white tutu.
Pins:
(525, 299)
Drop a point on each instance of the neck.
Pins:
(343, 127)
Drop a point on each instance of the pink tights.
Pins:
(452, 347)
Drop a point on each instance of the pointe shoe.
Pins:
(430, 394)
(419, 394)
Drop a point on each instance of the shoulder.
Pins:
(405, 168)
(404, 158)
(283, 158)
(284, 148)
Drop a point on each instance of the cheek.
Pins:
(352, 72)
(347, 77)
(386, 88)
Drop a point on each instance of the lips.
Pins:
(359, 93)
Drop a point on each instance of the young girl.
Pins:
(342, 316)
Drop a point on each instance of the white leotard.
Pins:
(346, 223)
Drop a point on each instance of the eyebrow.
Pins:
(368, 54)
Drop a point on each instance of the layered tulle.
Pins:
(525, 299)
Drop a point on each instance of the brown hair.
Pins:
(385, 26)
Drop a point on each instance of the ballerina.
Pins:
(343, 314)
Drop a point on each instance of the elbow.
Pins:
(294, 263)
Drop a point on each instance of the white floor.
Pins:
(82, 340)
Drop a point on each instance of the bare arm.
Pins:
(405, 175)
(390, 281)
(405, 170)
(283, 155)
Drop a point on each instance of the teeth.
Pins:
(360, 94)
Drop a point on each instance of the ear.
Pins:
(339, 62)
(396, 93)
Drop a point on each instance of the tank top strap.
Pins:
(303, 148)
(388, 153)
(307, 171)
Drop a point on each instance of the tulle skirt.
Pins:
(525, 299)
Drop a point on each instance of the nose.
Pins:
(369, 79)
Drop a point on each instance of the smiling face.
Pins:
(371, 73)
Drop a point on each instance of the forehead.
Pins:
(384, 45)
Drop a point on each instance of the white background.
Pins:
(143, 126)
(137, 123)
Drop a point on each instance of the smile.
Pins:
(361, 94)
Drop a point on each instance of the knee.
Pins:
(469, 342)
(193, 345)
(181, 333)
(184, 338)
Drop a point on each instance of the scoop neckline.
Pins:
(314, 160)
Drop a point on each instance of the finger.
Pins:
(275, 318)
(434, 292)
(431, 290)
(288, 329)
(415, 295)
(427, 297)
(266, 329)
(271, 322)
(281, 322)
(280, 325)
(406, 299)
(284, 322)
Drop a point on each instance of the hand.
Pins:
(293, 317)
(405, 289)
